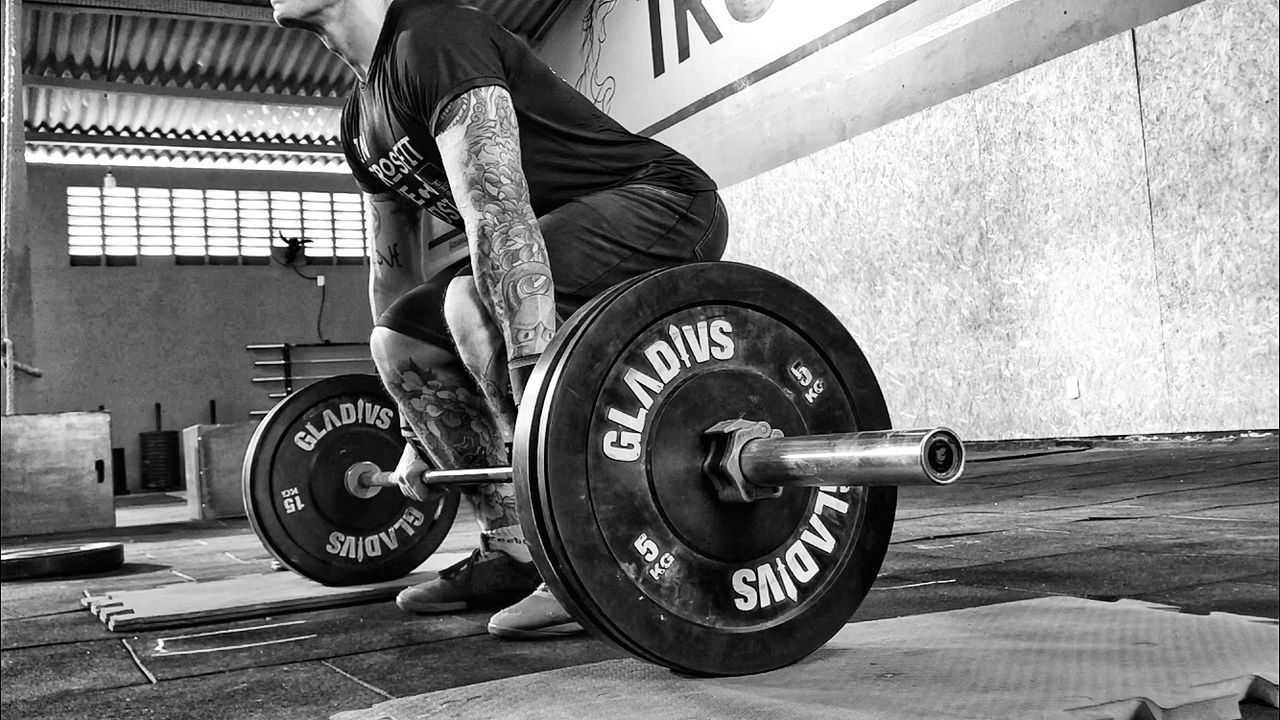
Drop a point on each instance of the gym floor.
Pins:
(1187, 522)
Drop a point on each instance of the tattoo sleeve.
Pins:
(480, 144)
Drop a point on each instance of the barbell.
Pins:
(754, 461)
(703, 464)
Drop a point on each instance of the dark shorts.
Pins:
(593, 243)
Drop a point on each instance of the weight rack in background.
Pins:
(282, 368)
(159, 455)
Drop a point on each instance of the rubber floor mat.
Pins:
(1048, 658)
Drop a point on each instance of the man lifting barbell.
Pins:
(703, 466)
(456, 116)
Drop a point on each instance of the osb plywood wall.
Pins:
(1088, 247)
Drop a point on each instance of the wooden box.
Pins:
(56, 473)
(212, 457)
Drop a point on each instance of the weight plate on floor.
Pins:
(295, 493)
(62, 560)
(608, 455)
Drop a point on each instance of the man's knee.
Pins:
(469, 321)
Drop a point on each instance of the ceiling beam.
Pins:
(181, 9)
(220, 96)
(76, 139)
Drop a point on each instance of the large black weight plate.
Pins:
(298, 504)
(607, 461)
(62, 560)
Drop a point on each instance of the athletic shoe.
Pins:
(538, 616)
(484, 580)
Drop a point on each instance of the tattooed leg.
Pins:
(436, 397)
(480, 346)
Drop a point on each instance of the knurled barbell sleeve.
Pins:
(933, 456)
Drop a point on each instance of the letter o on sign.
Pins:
(745, 11)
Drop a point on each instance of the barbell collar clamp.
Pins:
(723, 465)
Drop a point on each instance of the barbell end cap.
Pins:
(942, 456)
(356, 479)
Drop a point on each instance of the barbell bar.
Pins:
(927, 456)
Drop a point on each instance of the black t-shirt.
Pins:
(428, 54)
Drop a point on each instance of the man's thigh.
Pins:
(600, 240)
(419, 313)
(593, 243)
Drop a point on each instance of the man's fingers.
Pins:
(409, 481)
(411, 484)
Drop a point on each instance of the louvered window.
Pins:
(217, 227)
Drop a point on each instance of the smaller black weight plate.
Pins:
(295, 493)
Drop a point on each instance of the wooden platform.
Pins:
(239, 598)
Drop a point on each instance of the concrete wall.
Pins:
(1210, 122)
(129, 337)
(1085, 247)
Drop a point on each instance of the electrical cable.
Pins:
(294, 267)
(324, 289)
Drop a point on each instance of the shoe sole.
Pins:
(551, 631)
(432, 608)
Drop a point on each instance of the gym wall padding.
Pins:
(1086, 247)
(129, 337)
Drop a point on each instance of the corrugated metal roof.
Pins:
(64, 111)
(144, 156)
(185, 76)
(177, 52)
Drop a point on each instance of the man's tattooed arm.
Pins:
(480, 145)
(394, 250)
